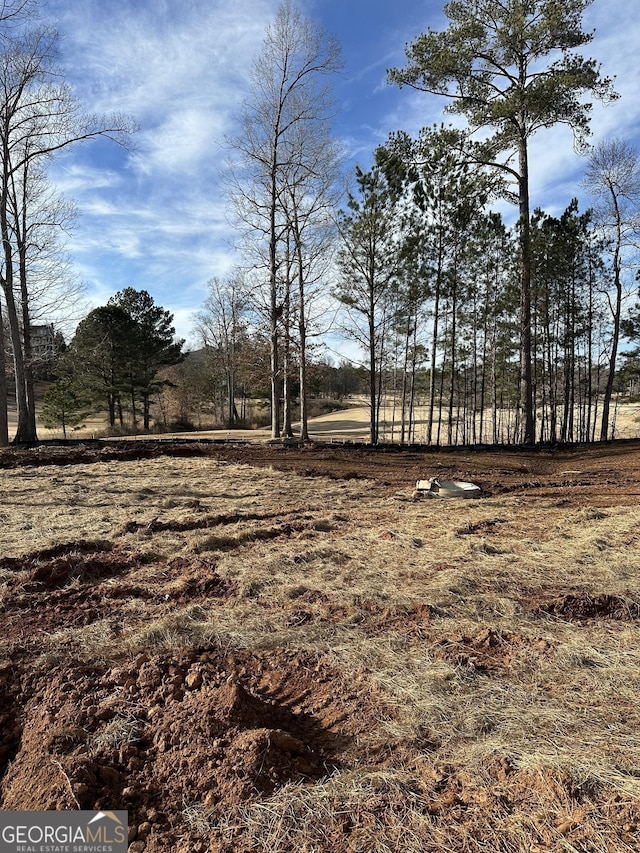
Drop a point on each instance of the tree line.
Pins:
(432, 289)
(502, 333)
(471, 329)
(125, 360)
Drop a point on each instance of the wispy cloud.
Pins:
(180, 70)
(156, 218)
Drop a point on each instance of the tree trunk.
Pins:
(276, 379)
(4, 391)
(134, 416)
(146, 411)
(21, 232)
(405, 378)
(616, 311)
(412, 389)
(287, 427)
(434, 345)
(32, 434)
(22, 432)
(589, 366)
(373, 421)
(524, 225)
(452, 385)
(304, 414)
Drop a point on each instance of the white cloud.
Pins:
(76, 177)
(156, 219)
(181, 143)
(148, 56)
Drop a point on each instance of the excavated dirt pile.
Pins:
(168, 736)
(172, 738)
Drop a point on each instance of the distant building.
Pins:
(43, 350)
(43, 342)
(45, 347)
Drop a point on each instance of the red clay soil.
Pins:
(157, 734)
(160, 734)
(163, 734)
(600, 473)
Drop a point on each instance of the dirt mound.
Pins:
(578, 607)
(489, 650)
(163, 736)
(79, 583)
(68, 550)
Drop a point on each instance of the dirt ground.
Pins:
(206, 652)
(593, 474)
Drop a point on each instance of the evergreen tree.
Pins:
(369, 262)
(63, 405)
(118, 350)
(99, 357)
(153, 346)
(510, 66)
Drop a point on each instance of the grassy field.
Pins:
(251, 659)
(350, 423)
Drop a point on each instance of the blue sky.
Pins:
(155, 218)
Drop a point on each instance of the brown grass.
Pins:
(504, 724)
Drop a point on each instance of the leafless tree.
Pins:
(310, 203)
(39, 116)
(220, 325)
(289, 105)
(613, 179)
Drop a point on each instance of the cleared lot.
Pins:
(267, 648)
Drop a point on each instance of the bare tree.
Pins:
(220, 325)
(613, 178)
(310, 203)
(38, 117)
(289, 102)
(11, 12)
(46, 285)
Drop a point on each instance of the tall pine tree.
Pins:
(511, 66)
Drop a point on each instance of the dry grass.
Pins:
(342, 569)
(351, 423)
